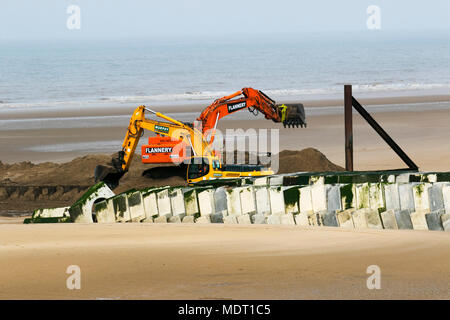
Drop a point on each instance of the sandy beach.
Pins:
(73, 74)
(153, 261)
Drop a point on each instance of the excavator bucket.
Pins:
(109, 175)
(293, 115)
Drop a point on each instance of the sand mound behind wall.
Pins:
(26, 186)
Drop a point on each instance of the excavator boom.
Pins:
(256, 101)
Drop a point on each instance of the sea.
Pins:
(85, 73)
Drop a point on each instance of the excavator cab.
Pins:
(200, 167)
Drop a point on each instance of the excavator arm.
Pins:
(138, 123)
(256, 101)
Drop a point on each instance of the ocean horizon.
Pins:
(83, 73)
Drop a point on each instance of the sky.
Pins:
(30, 19)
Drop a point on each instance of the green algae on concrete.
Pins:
(190, 201)
(91, 191)
(362, 196)
(291, 198)
(81, 210)
(347, 196)
(47, 220)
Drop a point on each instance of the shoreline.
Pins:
(119, 109)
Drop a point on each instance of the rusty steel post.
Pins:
(383, 134)
(348, 127)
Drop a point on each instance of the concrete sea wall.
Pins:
(376, 200)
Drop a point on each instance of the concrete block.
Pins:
(136, 206)
(402, 178)
(301, 219)
(203, 219)
(435, 196)
(244, 219)
(406, 195)
(316, 179)
(216, 217)
(360, 219)
(190, 202)
(177, 202)
(160, 219)
(248, 202)
(274, 219)
(389, 220)
(434, 221)
(262, 200)
(104, 211)
(220, 201)
(345, 218)
(391, 178)
(315, 219)
(175, 219)
(329, 218)
(287, 219)
(445, 219)
(373, 219)
(234, 201)
(291, 196)
(418, 220)
(206, 202)
(150, 204)
(348, 196)
(376, 196)
(420, 194)
(188, 219)
(121, 209)
(276, 200)
(81, 210)
(258, 218)
(51, 213)
(230, 219)
(333, 198)
(362, 196)
(262, 181)
(319, 196)
(305, 199)
(275, 180)
(446, 198)
(403, 219)
(164, 205)
(392, 196)
(429, 177)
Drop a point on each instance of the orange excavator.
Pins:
(162, 149)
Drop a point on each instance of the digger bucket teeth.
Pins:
(295, 115)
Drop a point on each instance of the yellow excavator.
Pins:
(203, 165)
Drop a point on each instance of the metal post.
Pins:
(348, 127)
(383, 134)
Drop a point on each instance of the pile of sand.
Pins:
(309, 159)
(26, 186)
